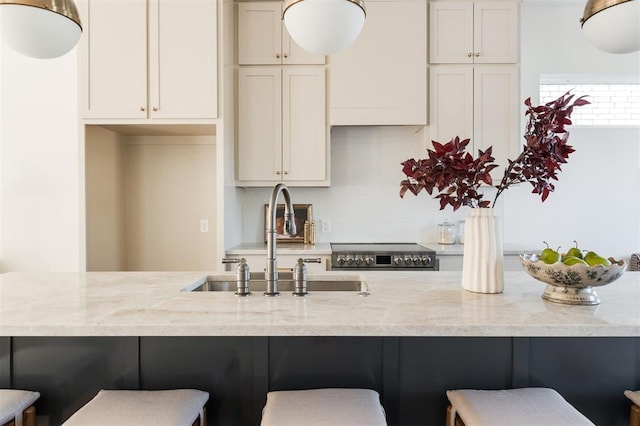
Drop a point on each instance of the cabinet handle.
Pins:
(143, 109)
(277, 56)
(286, 55)
(469, 54)
(278, 173)
(155, 108)
(286, 172)
(477, 54)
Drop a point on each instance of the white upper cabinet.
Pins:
(478, 102)
(382, 78)
(450, 102)
(149, 59)
(263, 38)
(473, 32)
(281, 126)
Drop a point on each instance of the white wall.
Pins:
(597, 200)
(362, 203)
(39, 170)
(105, 195)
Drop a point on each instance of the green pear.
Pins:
(574, 251)
(592, 258)
(573, 260)
(549, 255)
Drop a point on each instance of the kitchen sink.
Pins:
(315, 283)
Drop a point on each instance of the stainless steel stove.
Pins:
(382, 256)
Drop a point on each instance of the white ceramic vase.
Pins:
(482, 266)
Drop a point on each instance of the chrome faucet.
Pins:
(271, 274)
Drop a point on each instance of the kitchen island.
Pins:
(415, 335)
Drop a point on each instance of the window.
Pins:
(615, 100)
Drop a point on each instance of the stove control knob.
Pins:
(369, 260)
(397, 260)
(407, 260)
(340, 260)
(416, 260)
(425, 260)
(359, 260)
(350, 260)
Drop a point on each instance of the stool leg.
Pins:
(29, 416)
(459, 421)
(201, 421)
(635, 416)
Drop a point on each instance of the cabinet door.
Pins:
(183, 64)
(114, 59)
(450, 263)
(450, 32)
(451, 102)
(381, 78)
(480, 102)
(259, 140)
(495, 38)
(263, 38)
(468, 32)
(259, 33)
(496, 112)
(304, 142)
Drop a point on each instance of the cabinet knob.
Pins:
(143, 109)
(278, 172)
(286, 55)
(477, 54)
(286, 172)
(277, 56)
(469, 54)
(155, 108)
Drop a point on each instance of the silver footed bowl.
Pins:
(572, 284)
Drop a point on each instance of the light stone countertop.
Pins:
(400, 304)
(508, 249)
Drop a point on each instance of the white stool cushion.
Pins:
(526, 406)
(633, 396)
(153, 408)
(323, 407)
(14, 402)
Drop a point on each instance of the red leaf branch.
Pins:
(457, 176)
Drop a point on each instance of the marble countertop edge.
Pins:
(401, 304)
(320, 331)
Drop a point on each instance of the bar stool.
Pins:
(319, 407)
(525, 406)
(634, 420)
(121, 407)
(16, 407)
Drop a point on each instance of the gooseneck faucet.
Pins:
(271, 274)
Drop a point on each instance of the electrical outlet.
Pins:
(204, 225)
(326, 225)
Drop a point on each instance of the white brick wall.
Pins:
(611, 104)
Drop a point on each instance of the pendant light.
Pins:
(40, 28)
(324, 26)
(613, 25)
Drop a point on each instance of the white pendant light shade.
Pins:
(324, 26)
(613, 25)
(40, 28)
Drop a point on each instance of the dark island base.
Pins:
(411, 374)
